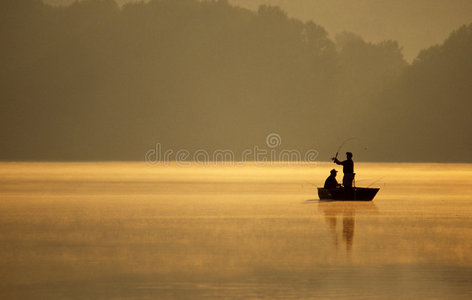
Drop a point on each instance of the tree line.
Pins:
(93, 81)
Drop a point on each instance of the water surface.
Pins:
(128, 230)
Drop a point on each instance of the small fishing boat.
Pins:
(354, 194)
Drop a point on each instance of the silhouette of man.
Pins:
(348, 170)
(331, 182)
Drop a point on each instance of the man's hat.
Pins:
(334, 171)
(349, 153)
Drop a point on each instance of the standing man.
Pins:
(348, 170)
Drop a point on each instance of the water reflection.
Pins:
(345, 211)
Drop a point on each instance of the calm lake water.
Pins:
(128, 230)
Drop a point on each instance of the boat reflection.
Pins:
(345, 211)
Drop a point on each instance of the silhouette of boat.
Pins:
(354, 194)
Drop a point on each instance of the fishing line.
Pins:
(347, 140)
(344, 142)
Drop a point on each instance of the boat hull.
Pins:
(355, 194)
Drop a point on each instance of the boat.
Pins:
(354, 194)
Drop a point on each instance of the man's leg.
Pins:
(347, 180)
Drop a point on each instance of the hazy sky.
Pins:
(415, 24)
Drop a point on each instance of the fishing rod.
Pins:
(342, 144)
(376, 181)
(306, 182)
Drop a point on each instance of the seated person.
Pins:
(331, 182)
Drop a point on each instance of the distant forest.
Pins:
(93, 81)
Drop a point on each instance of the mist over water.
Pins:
(101, 230)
